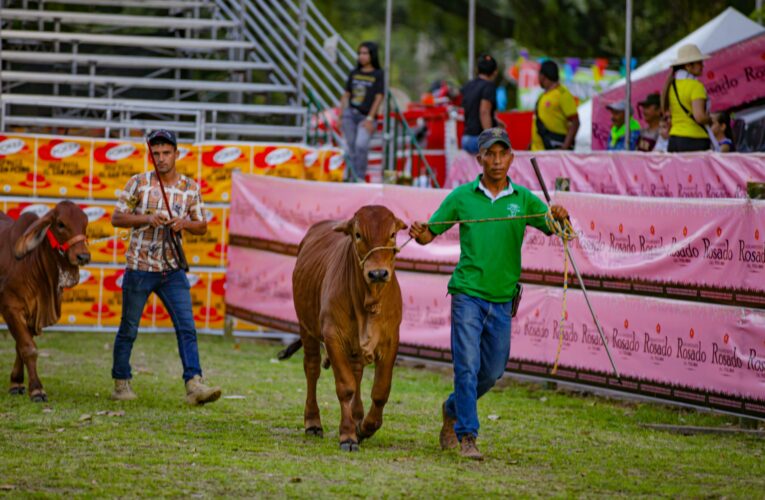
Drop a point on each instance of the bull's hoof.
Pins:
(40, 397)
(17, 390)
(349, 445)
(363, 435)
(315, 431)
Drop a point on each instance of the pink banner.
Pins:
(706, 243)
(699, 346)
(688, 175)
(733, 76)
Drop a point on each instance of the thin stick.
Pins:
(578, 276)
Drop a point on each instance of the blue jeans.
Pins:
(480, 350)
(357, 139)
(470, 143)
(173, 290)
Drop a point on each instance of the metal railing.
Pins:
(234, 125)
(274, 26)
(402, 154)
(403, 143)
(117, 117)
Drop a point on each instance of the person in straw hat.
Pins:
(685, 99)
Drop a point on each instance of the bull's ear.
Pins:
(345, 226)
(34, 235)
(400, 225)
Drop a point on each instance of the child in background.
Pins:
(663, 140)
(722, 131)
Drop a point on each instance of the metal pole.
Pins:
(628, 63)
(386, 110)
(758, 7)
(578, 276)
(2, 105)
(471, 39)
(301, 53)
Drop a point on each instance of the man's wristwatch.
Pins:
(370, 119)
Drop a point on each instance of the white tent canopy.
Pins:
(728, 28)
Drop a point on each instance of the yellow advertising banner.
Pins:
(81, 168)
(313, 170)
(210, 248)
(188, 162)
(114, 163)
(81, 305)
(282, 161)
(333, 164)
(17, 166)
(108, 244)
(217, 163)
(213, 311)
(111, 297)
(14, 209)
(64, 167)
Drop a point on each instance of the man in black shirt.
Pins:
(360, 103)
(479, 100)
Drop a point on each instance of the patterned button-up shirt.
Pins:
(142, 195)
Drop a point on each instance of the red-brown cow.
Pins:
(347, 296)
(35, 267)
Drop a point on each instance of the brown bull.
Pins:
(347, 296)
(39, 257)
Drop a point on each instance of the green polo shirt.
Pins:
(490, 252)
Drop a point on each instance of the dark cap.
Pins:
(163, 134)
(651, 100)
(491, 136)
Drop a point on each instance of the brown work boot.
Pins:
(447, 438)
(123, 391)
(468, 449)
(198, 393)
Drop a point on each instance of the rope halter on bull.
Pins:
(361, 260)
(565, 231)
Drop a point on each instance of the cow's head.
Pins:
(67, 224)
(373, 230)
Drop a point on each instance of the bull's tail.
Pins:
(291, 349)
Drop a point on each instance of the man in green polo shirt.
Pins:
(484, 283)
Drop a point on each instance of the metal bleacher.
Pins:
(113, 68)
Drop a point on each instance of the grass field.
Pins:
(538, 442)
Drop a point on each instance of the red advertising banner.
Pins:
(18, 167)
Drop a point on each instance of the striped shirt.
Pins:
(142, 196)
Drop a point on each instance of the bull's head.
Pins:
(373, 229)
(67, 224)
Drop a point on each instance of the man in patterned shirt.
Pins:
(151, 266)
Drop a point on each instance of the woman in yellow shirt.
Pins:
(685, 98)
